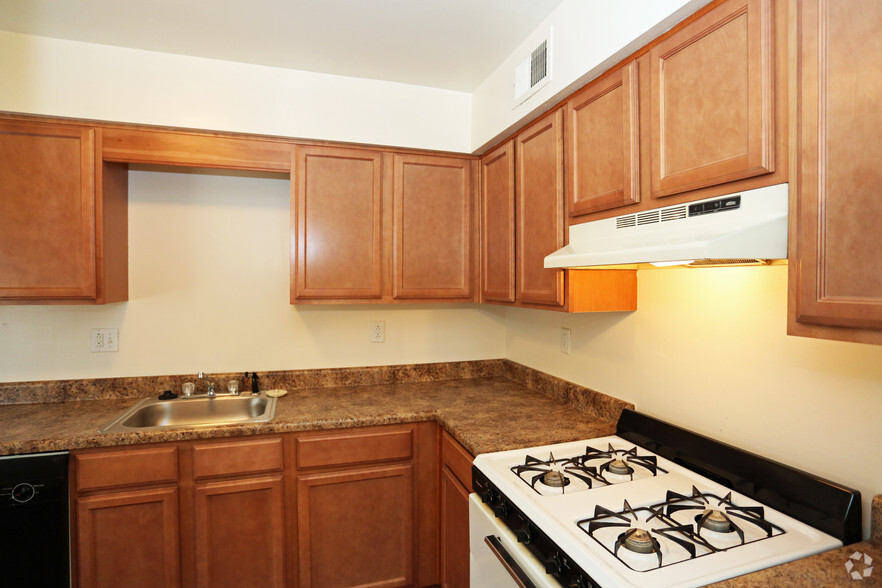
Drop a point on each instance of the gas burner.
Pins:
(714, 520)
(721, 517)
(555, 479)
(557, 476)
(638, 541)
(619, 467)
(620, 462)
(647, 531)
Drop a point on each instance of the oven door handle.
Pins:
(508, 562)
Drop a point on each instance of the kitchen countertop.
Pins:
(518, 407)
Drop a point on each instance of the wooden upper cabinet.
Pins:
(712, 99)
(498, 218)
(836, 194)
(540, 202)
(63, 219)
(603, 144)
(337, 236)
(432, 228)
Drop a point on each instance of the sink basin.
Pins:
(193, 412)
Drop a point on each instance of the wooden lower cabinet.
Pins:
(239, 533)
(128, 539)
(456, 484)
(355, 528)
(357, 507)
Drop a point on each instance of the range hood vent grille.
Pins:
(728, 262)
(651, 216)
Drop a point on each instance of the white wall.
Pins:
(208, 286)
(588, 37)
(67, 78)
(707, 350)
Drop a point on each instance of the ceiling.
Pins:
(450, 44)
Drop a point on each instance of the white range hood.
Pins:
(749, 225)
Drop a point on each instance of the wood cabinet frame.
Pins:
(833, 293)
(696, 167)
(498, 223)
(608, 138)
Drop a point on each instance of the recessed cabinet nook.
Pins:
(742, 94)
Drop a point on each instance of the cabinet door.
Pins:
(836, 279)
(240, 533)
(498, 218)
(603, 147)
(355, 527)
(432, 233)
(47, 211)
(337, 237)
(712, 99)
(540, 223)
(128, 539)
(454, 532)
(456, 476)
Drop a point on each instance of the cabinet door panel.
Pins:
(432, 227)
(498, 218)
(837, 278)
(336, 248)
(129, 539)
(454, 532)
(47, 211)
(603, 144)
(355, 527)
(540, 223)
(712, 99)
(240, 533)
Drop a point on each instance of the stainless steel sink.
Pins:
(193, 412)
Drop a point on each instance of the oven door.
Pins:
(496, 558)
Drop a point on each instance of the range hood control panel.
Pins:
(718, 205)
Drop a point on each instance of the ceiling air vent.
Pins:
(534, 72)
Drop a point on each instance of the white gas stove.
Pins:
(609, 512)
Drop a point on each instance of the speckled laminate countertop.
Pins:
(516, 408)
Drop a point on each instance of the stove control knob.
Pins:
(489, 496)
(553, 565)
(502, 510)
(524, 534)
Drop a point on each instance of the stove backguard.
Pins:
(819, 503)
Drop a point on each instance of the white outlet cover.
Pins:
(104, 340)
(566, 338)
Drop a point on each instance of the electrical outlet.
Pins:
(104, 340)
(566, 336)
(378, 332)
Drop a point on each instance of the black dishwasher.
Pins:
(34, 534)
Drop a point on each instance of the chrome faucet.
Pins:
(210, 386)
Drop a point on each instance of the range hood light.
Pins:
(670, 263)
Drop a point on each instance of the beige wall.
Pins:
(707, 350)
(84, 80)
(208, 290)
